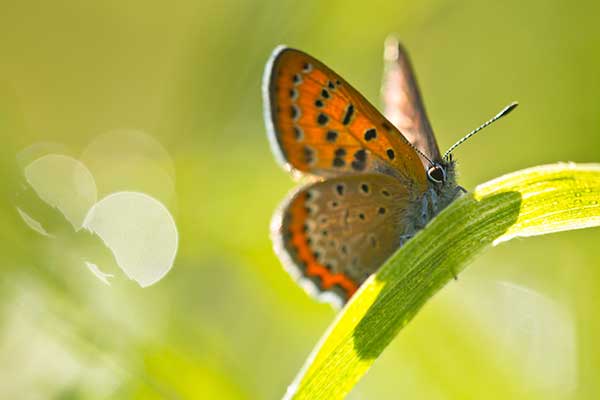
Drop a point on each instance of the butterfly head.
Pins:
(442, 180)
(441, 175)
(439, 171)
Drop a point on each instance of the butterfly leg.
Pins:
(434, 201)
(429, 207)
(458, 192)
(424, 210)
(454, 275)
(405, 238)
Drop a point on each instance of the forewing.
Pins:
(319, 124)
(403, 104)
(332, 235)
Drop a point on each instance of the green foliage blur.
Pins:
(227, 322)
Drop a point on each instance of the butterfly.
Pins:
(373, 181)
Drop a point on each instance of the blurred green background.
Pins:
(227, 322)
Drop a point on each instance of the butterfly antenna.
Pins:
(421, 153)
(505, 111)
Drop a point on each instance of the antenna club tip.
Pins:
(508, 109)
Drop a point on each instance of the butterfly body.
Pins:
(370, 189)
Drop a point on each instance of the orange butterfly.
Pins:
(378, 180)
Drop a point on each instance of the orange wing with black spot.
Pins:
(332, 235)
(319, 124)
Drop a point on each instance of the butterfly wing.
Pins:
(403, 104)
(319, 124)
(331, 235)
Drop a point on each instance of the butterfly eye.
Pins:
(436, 174)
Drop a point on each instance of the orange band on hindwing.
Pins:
(299, 243)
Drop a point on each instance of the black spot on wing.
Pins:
(322, 119)
(360, 158)
(294, 112)
(348, 114)
(358, 166)
(331, 136)
(309, 155)
(298, 133)
(361, 155)
(338, 162)
(370, 134)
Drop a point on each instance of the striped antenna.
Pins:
(421, 153)
(505, 111)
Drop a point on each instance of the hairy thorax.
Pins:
(437, 197)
